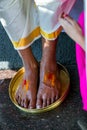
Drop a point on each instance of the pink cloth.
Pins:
(81, 64)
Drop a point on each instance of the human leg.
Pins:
(17, 19)
(27, 98)
(48, 91)
(50, 29)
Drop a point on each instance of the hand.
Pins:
(73, 29)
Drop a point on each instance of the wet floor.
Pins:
(68, 116)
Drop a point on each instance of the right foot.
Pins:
(27, 91)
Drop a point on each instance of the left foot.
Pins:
(49, 83)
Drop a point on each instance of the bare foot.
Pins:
(49, 85)
(27, 92)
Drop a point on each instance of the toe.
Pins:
(22, 102)
(56, 97)
(26, 103)
(44, 102)
(39, 102)
(52, 100)
(32, 104)
(19, 100)
(48, 101)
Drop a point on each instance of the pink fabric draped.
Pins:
(81, 64)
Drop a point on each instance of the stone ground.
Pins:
(69, 115)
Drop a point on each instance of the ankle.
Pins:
(31, 67)
(49, 65)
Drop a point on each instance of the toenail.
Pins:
(38, 106)
(31, 107)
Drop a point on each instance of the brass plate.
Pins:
(65, 82)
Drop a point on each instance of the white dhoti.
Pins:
(26, 20)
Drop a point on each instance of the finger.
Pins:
(66, 16)
(69, 19)
(64, 23)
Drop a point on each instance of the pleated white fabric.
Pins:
(26, 20)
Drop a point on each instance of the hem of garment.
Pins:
(34, 35)
(52, 35)
(24, 47)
